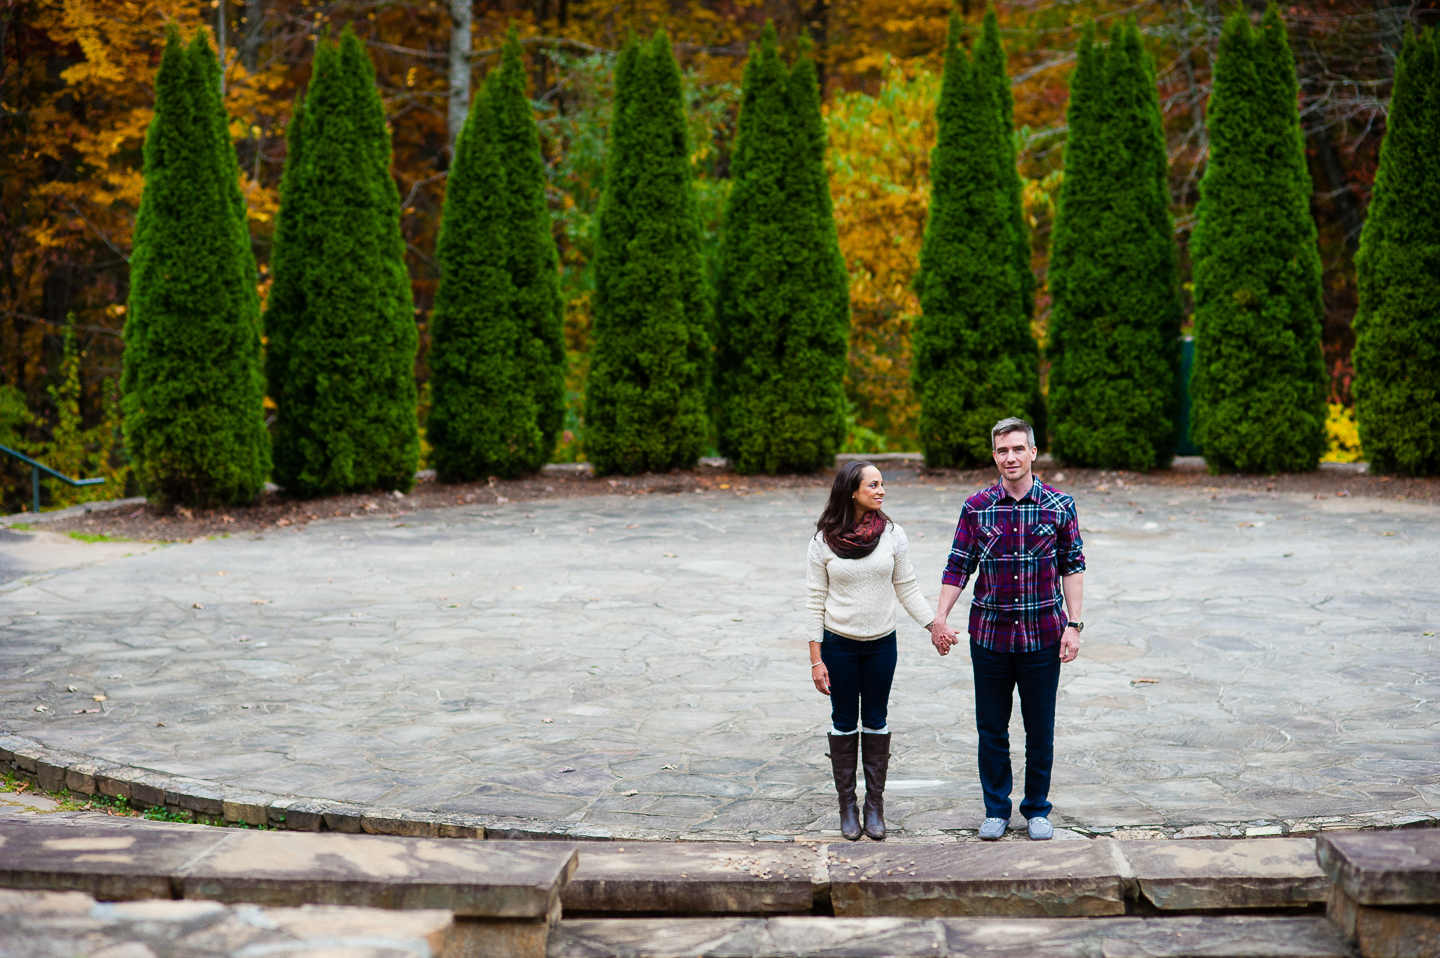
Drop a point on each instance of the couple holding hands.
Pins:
(1020, 540)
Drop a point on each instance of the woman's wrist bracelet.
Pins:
(814, 664)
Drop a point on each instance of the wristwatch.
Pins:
(1077, 626)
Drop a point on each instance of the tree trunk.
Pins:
(817, 21)
(1339, 185)
(252, 34)
(460, 20)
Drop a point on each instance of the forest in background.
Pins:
(76, 97)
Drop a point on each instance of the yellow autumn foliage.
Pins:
(1343, 433)
(880, 183)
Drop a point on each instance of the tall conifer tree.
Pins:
(1115, 319)
(991, 61)
(285, 305)
(1258, 386)
(1397, 330)
(975, 361)
(346, 418)
(646, 395)
(534, 262)
(483, 417)
(782, 313)
(192, 384)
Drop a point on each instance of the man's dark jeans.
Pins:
(997, 675)
(860, 677)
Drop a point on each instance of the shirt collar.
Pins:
(1034, 493)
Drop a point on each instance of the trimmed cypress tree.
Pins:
(289, 256)
(483, 418)
(346, 418)
(1258, 386)
(192, 384)
(975, 360)
(533, 261)
(1116, 315)
(646, 395)
(990, 60)
(1397, 329)
(782, 313)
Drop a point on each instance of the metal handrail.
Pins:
(35, 468)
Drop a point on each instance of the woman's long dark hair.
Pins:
(839, 513)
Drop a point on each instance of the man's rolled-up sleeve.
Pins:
(963, 554)
(1069, 549)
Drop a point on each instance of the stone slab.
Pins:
(1385, 932)
(488, 879)
(1399, 867)
(1172, 937)
(111, 864)
(49, 924)
(700, 878)
(1199, 875)
(1008, 878)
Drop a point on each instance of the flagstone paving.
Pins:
(636, 664)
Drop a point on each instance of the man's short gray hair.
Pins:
(1014, 424)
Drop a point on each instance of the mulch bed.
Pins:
(276, 510)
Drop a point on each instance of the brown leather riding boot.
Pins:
(844, 755)
(875, 749)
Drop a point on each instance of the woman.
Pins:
(859, 564)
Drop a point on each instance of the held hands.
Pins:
(942, 636)
(1069, 645)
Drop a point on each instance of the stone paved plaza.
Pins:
(636, 663)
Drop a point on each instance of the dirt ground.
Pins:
(277, 510)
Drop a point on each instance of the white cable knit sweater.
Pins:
(856, 597)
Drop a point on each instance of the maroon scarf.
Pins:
(859, 540)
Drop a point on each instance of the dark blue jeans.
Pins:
(997, 676)
(860, 677)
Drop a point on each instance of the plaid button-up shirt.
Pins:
(1021, 549)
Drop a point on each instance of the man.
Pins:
(1024, 538)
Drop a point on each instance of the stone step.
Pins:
(1074, 878)
(1385, 897)
(1400, 867)
(133, 859)
(42, 923)
(1019, 879)
(699, 878)
(1168, 937)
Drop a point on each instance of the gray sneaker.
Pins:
(1040, 829)
(992, 829)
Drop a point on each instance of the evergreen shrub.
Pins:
(1115, 316)
(345, 335)
(783, 307)
(975, 359)
(645, 402)
(193, 387)
(534, 262)
(1397, 329)
(1258, 386)
(482, 420)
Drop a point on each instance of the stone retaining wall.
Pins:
(59, 770)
